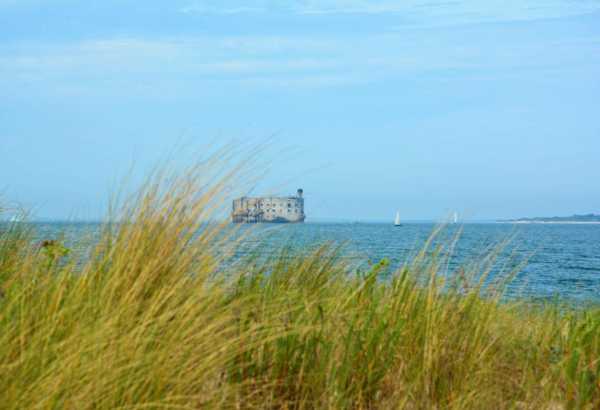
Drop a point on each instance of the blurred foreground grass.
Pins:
(147, 322)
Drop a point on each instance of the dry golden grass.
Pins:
(151, 320)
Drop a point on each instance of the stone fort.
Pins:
(269, 209)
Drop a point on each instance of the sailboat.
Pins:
(455, 220)
(397, 220)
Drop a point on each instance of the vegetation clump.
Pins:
(153, 320)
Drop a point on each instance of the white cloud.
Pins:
(419, 11)
(206, 9)
(120, 65)
(228, 55)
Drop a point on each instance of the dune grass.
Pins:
(153, 320)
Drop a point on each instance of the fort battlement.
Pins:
(269, 209)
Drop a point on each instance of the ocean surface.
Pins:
(558, 260)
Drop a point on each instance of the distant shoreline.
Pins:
(551, 222)
(587, 219)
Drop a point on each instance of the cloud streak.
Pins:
(455, 11)
(311, 59)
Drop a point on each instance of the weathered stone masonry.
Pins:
(269, 209)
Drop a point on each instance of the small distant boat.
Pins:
(455, 219)
(397, 220)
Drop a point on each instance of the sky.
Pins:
(488, 108)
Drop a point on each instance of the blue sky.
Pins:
(485, 107)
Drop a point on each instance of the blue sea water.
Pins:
(557, 260)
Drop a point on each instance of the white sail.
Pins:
(455, 217)
(397, 220)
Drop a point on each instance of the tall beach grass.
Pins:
(153, 320)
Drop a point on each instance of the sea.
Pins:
(550, 261)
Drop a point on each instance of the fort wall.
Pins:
(269, 209)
